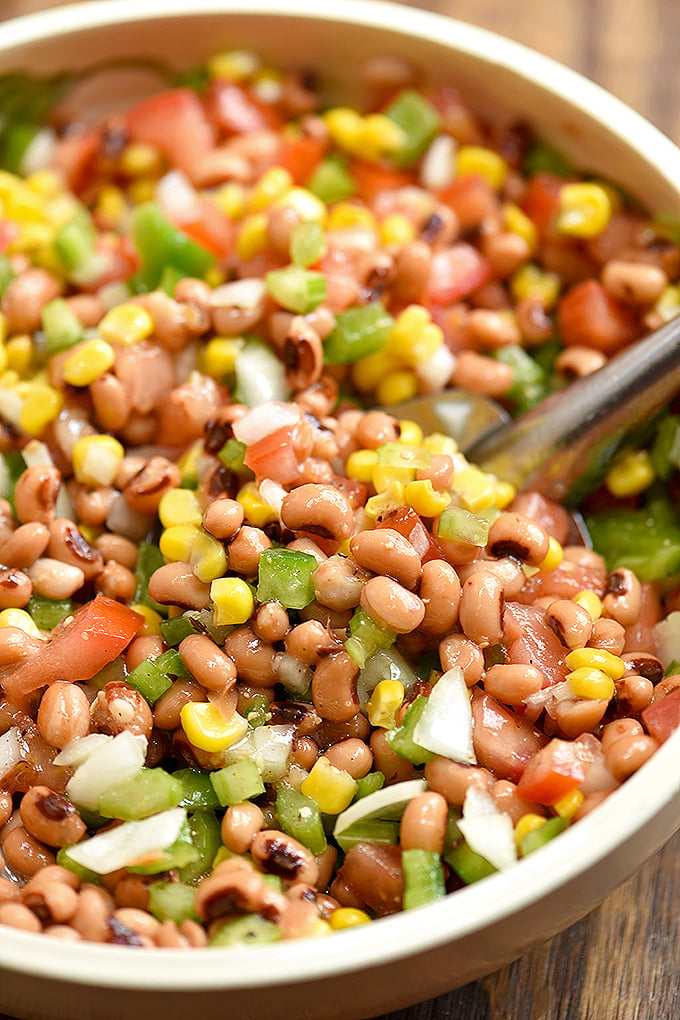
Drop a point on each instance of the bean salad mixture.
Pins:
(274, 663)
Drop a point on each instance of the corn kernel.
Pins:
(87, 361)
(345, 215)
(415, 338)
(235, 65)
(219, 355)
(378, 137)
(152, 620)
(348, 917)
(309, 208)
(526, 824)
(19, 350)
(596, 658)
(591, 683)
(207, 729)
(41, 406)
(585, 209)
(668, 305)
(333, 789)
(397, 387)
(529, 281)
(516, 221)
(180, 506)
(396, 229)
(231, 199)
(46, 183)
(96, 459)
(438, 443)
(384, 703)
(369, 371)
(360, 465)
(344, 127)
(410, 433)
(475, 159)
(505, 493)
(126, 324)
(188, 462)
(568, 805)
(20, 619)
(176, 542)
(384, 502)
(252, 237)
(233, 601)
(111, 206)
(141, 160)
(214, 276)
(3, 337)
(630, 475)
(208, 558)
(274, 183)
(476, 489)
(591, 602)
(257, 511)
(344, 548)
(384, 475)
(143, 189)
(89, 532)
(553, 557)
(424, 498)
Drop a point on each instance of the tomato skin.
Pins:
(237, 112)
(589, 316)
(505, 741)
(455, 273)
(274, 457)
(301, 156)
(408, 523)
(541, 201)
(370, 179)
(555, 770)
(471, 198)
(74, 154)
(662, 718)
(212, 229)
(174, 122)
(86, 642)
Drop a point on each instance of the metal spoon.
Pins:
(562, 447)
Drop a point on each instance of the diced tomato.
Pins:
(213, 230)
(531, 641)
(408, 523)
(541, 201)
(662, 718)
(91, 638)
(274, 456)
(8, 231)
(587, 315)
(565, 581)
(174, 122)
(455, 273)
(556, 770)
(301, 156)
(471, 198)
(504, 741)
(371, 179)
(74, 155)
(356, 492)
(236, 111)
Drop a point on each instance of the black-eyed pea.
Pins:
(385, 551)
(481, 609)
(51, 818)
(235, 885)
(52, 902)
(117, 548)
(481, 374)
(118, 707)
(144, 491)
(395, 768)
(633, 693)
(279, 854)
(310, 641)
(509, 801)
(375, 428)
(15, 588)
(618, 728)
(62, 932)
(271, 623)
(609, 635)
(334, 688)
(35, 496)
(116, 582)
(302, 354)
(352, 755)
(423, 824)
(453, 780)
(643, 664)
(520, 537)
(254, 658)
(439, 471)
(319, 510)
(147, 646)
(9, 891)
(456, 650)
(374, 873)
(627, 754)
(207, 662)
(576, 362)
(305, 752)
(512, 683)
(91, 919)
(55, 580)
(440, 592)
(635, 283)
(17, 915)
(25, 545)
(223, 518)
(338, 582)
(622, 597)
(577, 717)
(239, 825)
(25, 297)
(138, 921)
(68, 545)
(245, 550)
(508, 571)
(166, 711)
(175, 584)
(572, 623)
(24, 854)
(391, 605)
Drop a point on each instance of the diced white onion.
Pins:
(246, 294)
(77, 751)
(667, 633)
(445, 726)
(272, 746)
(130, 843)
(292, 674)
(10, 406)
(113, 294)
(10, 751)
(487, 830)
(260, 376)
(436, 372)
(385, 664)
(388, 803)
(263, 420)
(272, 493)
(110, 765)
(124, 521)
(37, 454)
(438, 167)
(177, 197)
(38, 152)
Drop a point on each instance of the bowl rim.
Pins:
(653, 788)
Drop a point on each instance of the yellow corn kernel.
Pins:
(476, 490)
(179, 506)
(475, 159)
(360, 465)
(668, 305)
(424, 498)
(390, 499)
(384, 476)
(309, 208)
(143, 189)
(176, 542)
(235, 65)
(410, 433)
(46, 183)
(344, 548)
(87, 361)
(591, 683)
(89, 532)
(379, 137)
(345, 215)
(219, 355)
(505, 493)
(233, 601)
(368, 372)
(591, 602)
(274, 183)
(207, 729)
(9, 380)
(396, 229)
(384, 703)
(139, 159)
(208, 558)
(111, 206)
(214, 276)
(252, 236)
(3, 337)
(437, 442)
(267, 85)
(516, 221)
(152, 619)
(41, 405)
(348, 917)
(415, 338)
(344, 127)
(553, 557)
(257, 511)
(126, 324)
(96, 459)
(333, 789)
(19, 350)
(526, 824)
(20, 619)
(630, 475)
(396, 387)
(529, 281)
(568, 805)
(585, 209)
(188, 462)
(231, 199)
(596, 658)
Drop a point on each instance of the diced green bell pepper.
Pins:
(175, 630)
(146, 793)
(237, 782)
(296, 289)
(423, 878)
(370, 783)
(372, 830)
(61, 327)
(358, 332)
(160, 244)
(539, 837)
(300, 817)
(172, 901)
(647, 541)
(285, 576)
(206, 839)
(150, 680)
(419, 121)
(198, 793)
(149, 559)
(47, 613)
(331, 181)
(366, 637)
(307, 243)
(179, 855)
(400, 738)
(251, 930)
(468, 865)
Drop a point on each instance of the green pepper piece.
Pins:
(296, 289)
(149, 559)
(539, 837)
(74, 242)
(370, 783)
(285, 576)
(160, 244)
(232, 454)
(150, 680)
(372, 830)
(198, 792)
(175, 630)
(64, 860)
(366, 637)
(400, 738)
(358, 332)
(665, 449)
(237, 782)
(204, 827)
(144, 794)
(251, 930)
(647, 541)
(530, 381)
(180, 854)
(62, 329)
(423, 878)
(47, 613)
(459, 525)
(419, 121)
(467, 864)
(300, 817)
(331, 181)
(172, 901)
(307, 243)
(7, 274)
(172, 662)
(543, 158)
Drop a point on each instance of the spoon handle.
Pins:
(564, 446)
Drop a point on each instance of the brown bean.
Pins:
(512, 534)
(512, 683)
(119, 707)
(351, 755)
(35, 496)
(453, 780)
(385, 551)
(25, 297)
(207, 662)
(481, 374)
(440, 592)
(319, 510)
(392, 605)
(629, 753)
(223, 518)
(395, 768)
(245, 549)
(334, 688)
(68, 545)
(24, 853)
(424, 822)
(16, 915)
(622, 598)
(271, 622)
(131, 891)
(373, 872)
(254, 658)
(166, 711)
(175, 584)
(15, 588)
(145, 490)
(481, 609)
(23, 547)
(239, 825)
(572, 623)
(455, 650)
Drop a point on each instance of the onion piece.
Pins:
(247, 294)
(487, 830)
(10, 751)
(272, 493)
(261, 421)
(178, 198)
(292, 674)
(385, 664)
(436, 372)
(77, 752)
(388, 803)
(39, 151)
(109, 765)
(130, 844)
(445, 726)
(260, 376)
(37, 454)
(272, 746)
(437, 168)
(667, 633)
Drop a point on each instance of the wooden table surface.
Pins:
(622, 962)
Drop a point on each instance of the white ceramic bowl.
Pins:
(410, 957)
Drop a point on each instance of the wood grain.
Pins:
(622, 962)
